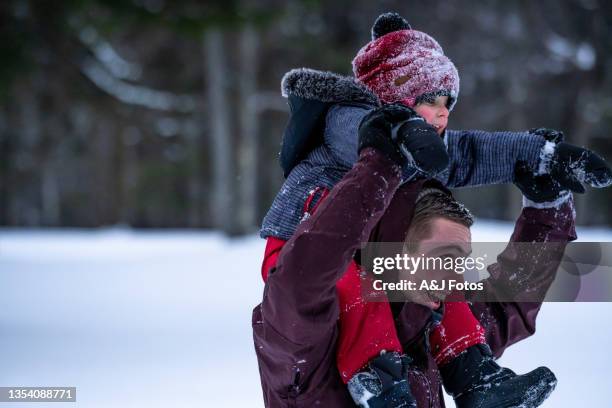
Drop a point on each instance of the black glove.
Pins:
(375, 131)
(537, 188)
(422, 145)
(551, 135)
(392, 371)
(404, 137)
(572, 166)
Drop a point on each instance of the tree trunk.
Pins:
(195, 182)
(24, 212)
(50, 194)
(249, 123)
(220, 135)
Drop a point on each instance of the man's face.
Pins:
(435, 113)
(447, 239)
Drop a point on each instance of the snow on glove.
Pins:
(584, 165)
(550, 135)
(392, 371)
(404, 137)
(572, 166)
(384, 384)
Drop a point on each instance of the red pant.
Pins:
(367, 328)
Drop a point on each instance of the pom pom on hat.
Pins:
(387, 23)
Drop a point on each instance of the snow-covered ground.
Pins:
(148, 319)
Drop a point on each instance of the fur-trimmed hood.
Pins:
(310, 95)
(325, 86)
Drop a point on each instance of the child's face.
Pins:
(435, 113)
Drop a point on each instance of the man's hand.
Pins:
(537, 188)
(404, 137)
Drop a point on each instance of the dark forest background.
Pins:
(153, 113)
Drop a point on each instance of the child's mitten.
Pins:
(405, 137)
(573, 166)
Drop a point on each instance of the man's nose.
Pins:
(443, 112)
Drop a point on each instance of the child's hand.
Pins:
(421, 144)
(566, 169)
(404, 137)
(551, 135)
(573, 166)
(375, 131)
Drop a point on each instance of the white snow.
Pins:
(564, 196)
(548, 150)
(162, 318)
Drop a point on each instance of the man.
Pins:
(295, 326)
(405, 66)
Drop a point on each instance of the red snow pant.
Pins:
(367, 328)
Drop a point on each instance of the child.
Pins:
(404, 66)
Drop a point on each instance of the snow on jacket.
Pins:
(320, 146)
(295, 328)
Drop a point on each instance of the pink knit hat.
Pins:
(405, 65)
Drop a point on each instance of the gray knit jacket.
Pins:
(476, 157)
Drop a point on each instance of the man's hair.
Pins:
(433, 203)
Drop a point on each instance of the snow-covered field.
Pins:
(162, 319)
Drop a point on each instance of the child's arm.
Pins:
(482, 158)
(477, 157)
(471, 153)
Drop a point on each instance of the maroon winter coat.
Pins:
(295, 326)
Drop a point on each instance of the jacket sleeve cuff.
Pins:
(563, 198)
